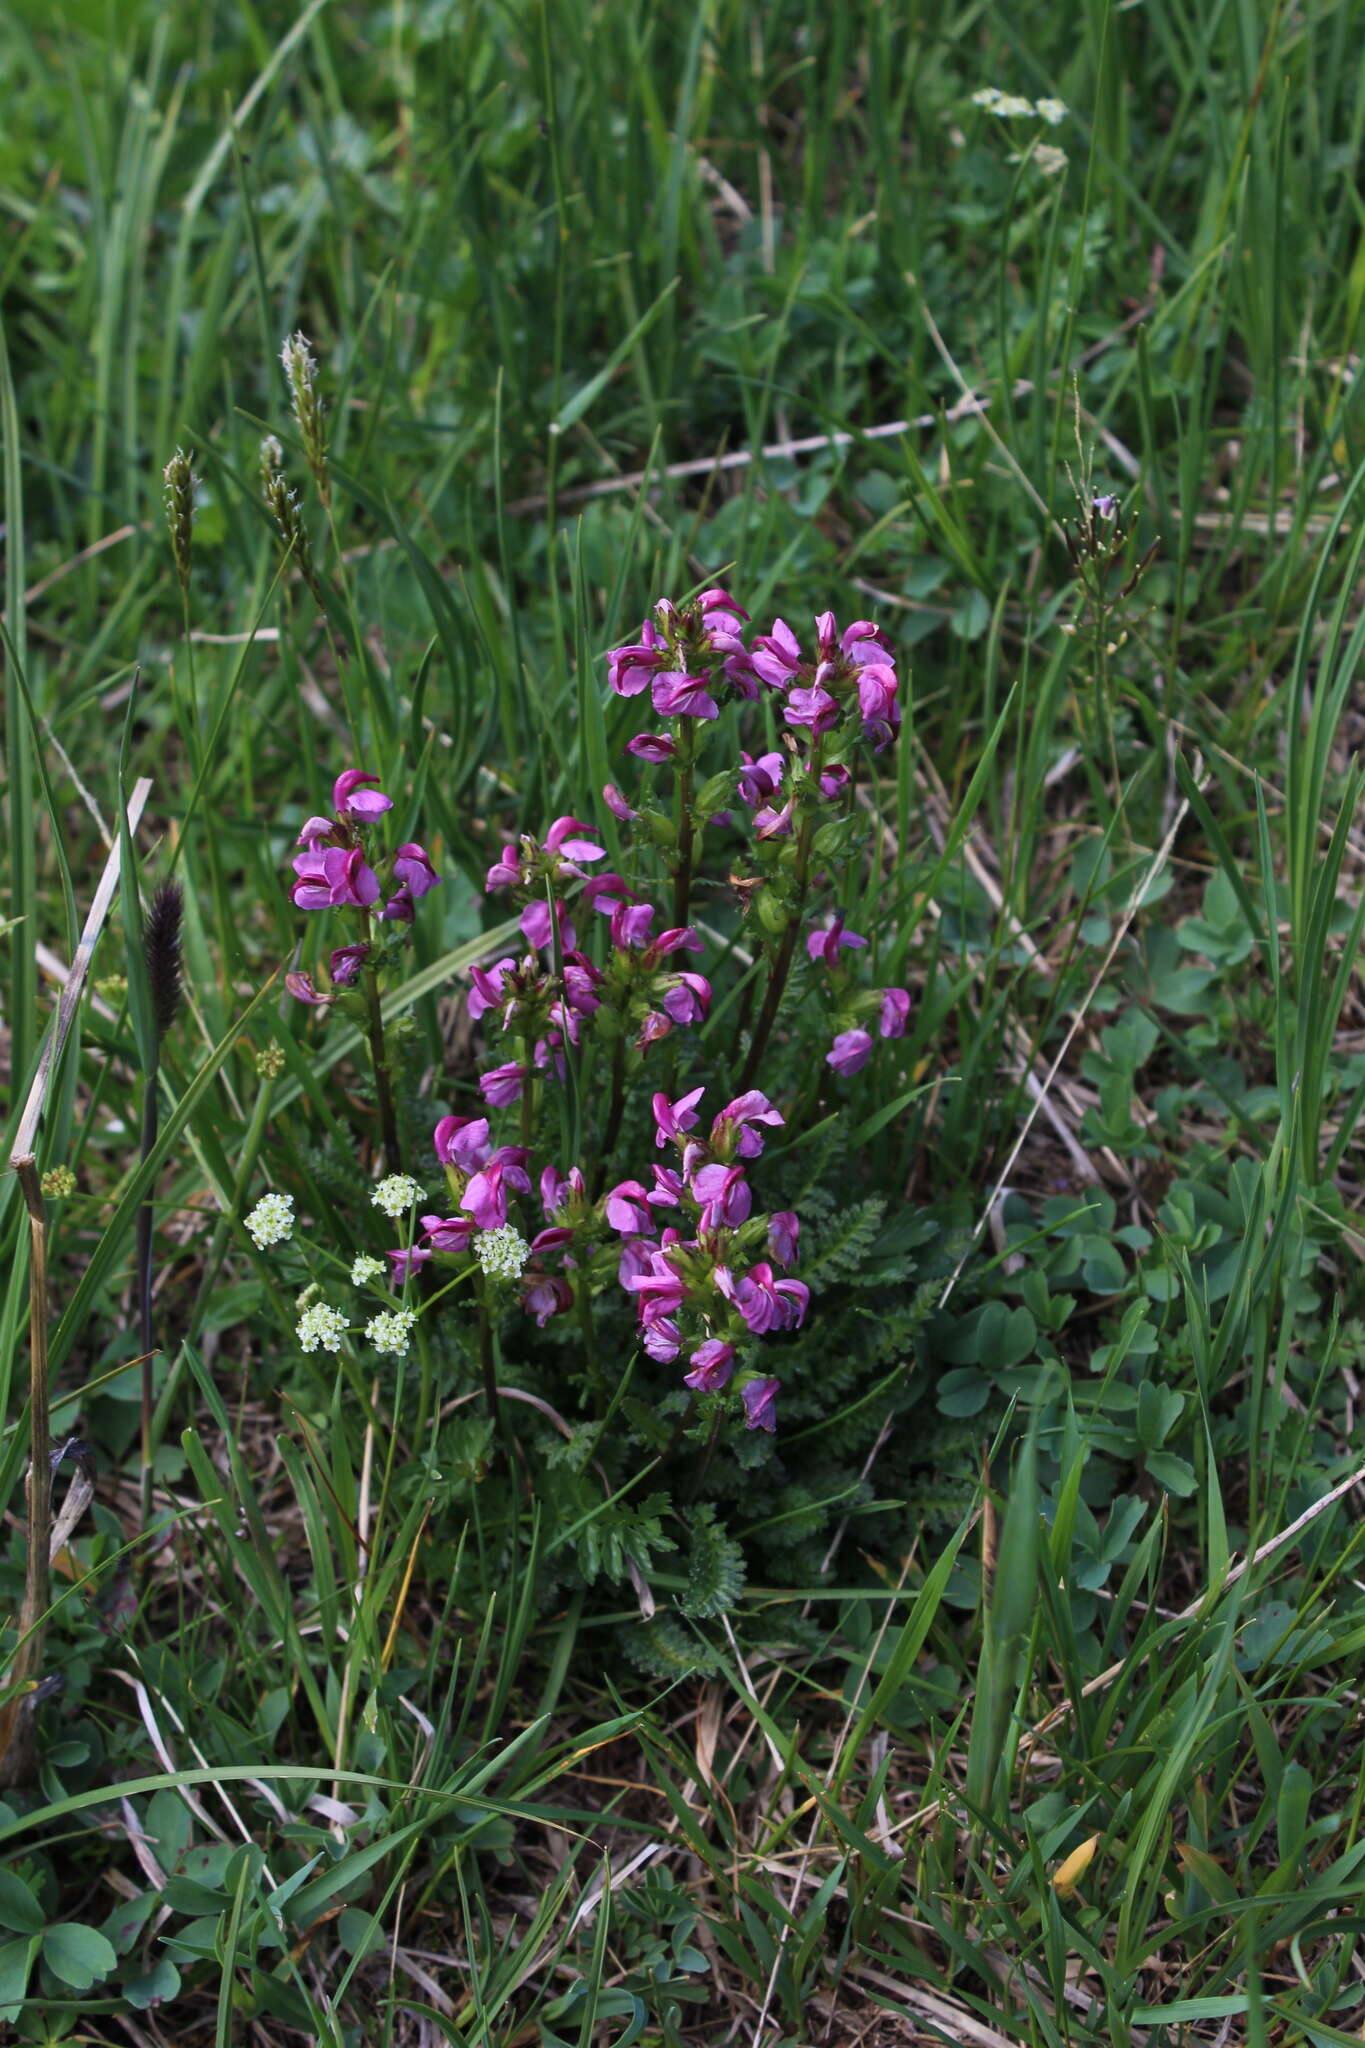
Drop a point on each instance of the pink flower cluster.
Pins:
(544, 1006)
(852, 1047)
(334, 872)
(684, 653)
(699, 1288)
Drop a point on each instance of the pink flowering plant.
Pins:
(611, 1213)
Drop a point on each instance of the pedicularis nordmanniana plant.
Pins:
(601, 993)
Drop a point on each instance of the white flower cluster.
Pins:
(365, 1269)
(1009, 106)
(396, 1195)
(502, 1253)
(321, 1327)
(390, 1331)
(272, 1220)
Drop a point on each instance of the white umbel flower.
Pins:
(321, 1328)
(502, 1253)
(391, 1331)
(364, 1269)
(1052, 111)
(396, 1195)
(272, 1220)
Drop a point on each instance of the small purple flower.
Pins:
(813, 707)
(405, 1262)
(544, 1295)
(652, 746)
(679, 938)
(504, 873)
(485, 986)
(630, 923)
(351, 799)
(568, 850)
(824, 942)
(339, 875)
(485, 1198)
(553, 1239)
(462, 1141)
(662, 1340)
(784, 1236)
(674, 1119)
(557, 1189)
(503, 1085)
(689, 999)
(776, 656)
(834, 781)
(683, 696)
(769, 1304)
(760, 779)
(774, 824)
(733, 1128)
(413, 868)
(668, 1188)
(345, 964)
(724, 1194)
(877, 702)
(617, 805)
(894, 1015)
(447, 1233)
(712, 1364)
(318, 832)
(760, 1403)
(627, 1209)
(538, 929)
(300, 987)
(400, 908)
(850, 1051)
(631, 669)
(658, 1290)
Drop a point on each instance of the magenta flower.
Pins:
(784, 1236)
(557, 1189)
(652, 746)
(824, 942)
(485, 1198)
(724, 1194)
(768, 1304)
(567, 850)
(538, 929)
(834, 781)
(462, 1141)
(760, 779)
(345, 964)
(300, 987)
(634, 1262)
(760, 1403)
(504, 873)
(544, 1295)
(814, 708)
(400, 908)
(486, 986)
(617, 805)
(412, 867)
(318, 832)
(674, 1119)
(351, 799)
(502, 1085)
(627, 1209)
(732, 1130)
(662, 1340)
(447, 1233)
(774, 824)
(689, 999)
(776, 656)
(338, 875)
(850, 1051)
(712, 1364)
(552, 1239)
(877, 702)
(668, 1188)
(658, 1290)
(405, 1262)
(894, 1016)
(683, 696)
(630, 923)
(631, 669)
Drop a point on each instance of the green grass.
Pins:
(354, 1750)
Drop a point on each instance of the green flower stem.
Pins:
(379, 1061)
(615, 1111)
(682, 872)
(782, 959)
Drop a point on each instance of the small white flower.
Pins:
(396, 1195)
(365, 1269)
(502, 1253)
(272, 1219)
(1051, 111)
(390, 1331)
(320, 1326)
(1049, 160)
(1011, 107)
(987, 96)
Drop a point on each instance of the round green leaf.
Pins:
(79, 1955)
